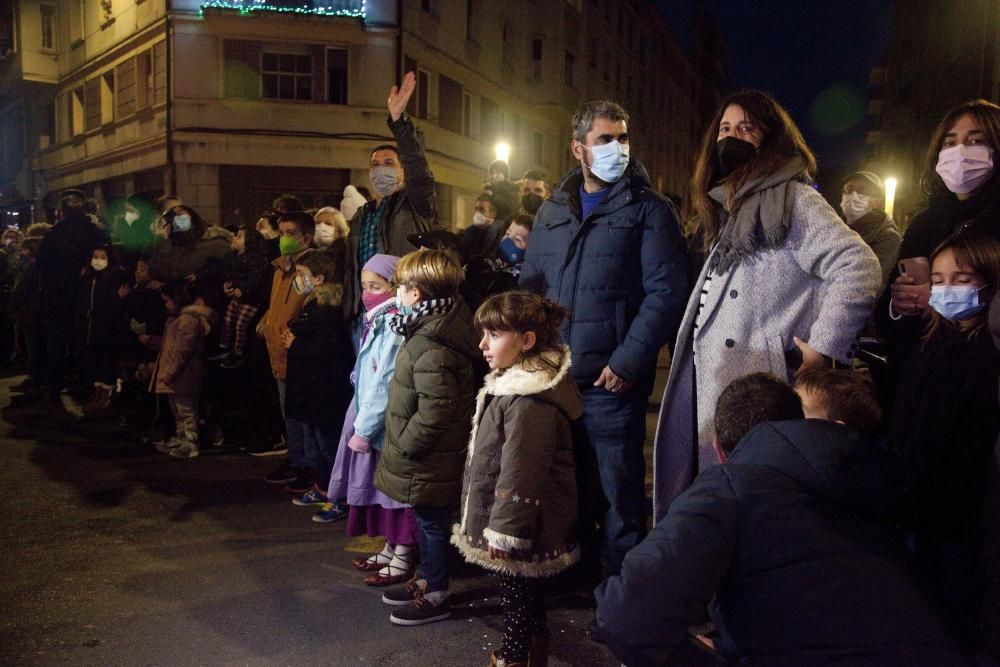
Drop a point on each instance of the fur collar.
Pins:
(327, 294)
(203, 314)
(518, 380)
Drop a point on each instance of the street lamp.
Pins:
(502, 151)
(890, 195)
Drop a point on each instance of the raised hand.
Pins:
(399, 96)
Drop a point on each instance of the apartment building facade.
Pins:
(228, 103)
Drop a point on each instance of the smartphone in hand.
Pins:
(918, 268)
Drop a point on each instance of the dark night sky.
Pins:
(813, 56)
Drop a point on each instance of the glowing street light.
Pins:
(502, 150)
(890, 195)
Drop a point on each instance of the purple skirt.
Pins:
(353, 475)
(398, 526)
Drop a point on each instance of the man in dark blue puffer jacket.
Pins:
(609, 249)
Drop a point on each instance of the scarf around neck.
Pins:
(423, 309)
(762, 219)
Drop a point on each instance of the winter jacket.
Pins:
(991, 529)
(818, 285)
(373, 372)
(180, 364)
(429, 415)
(879, 231)
(409, 210)
(99, 308)
(621, 273)
(317, 384)
(794, 539)
(172, 260)
(62, 255)
(519, 487)
(944, 424)
(283, 307)
(249, 273)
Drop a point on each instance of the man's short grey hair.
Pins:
(583, 119)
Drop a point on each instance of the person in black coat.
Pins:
(247, 277)
(65, 250)
(317, 383)
(792, 541)
(98, 318)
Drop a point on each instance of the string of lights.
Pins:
(348, 8)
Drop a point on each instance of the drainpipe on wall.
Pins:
(399, 43)
(171, 175)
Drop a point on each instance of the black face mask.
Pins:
(733, 153)
(530, 203)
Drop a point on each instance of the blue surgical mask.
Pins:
(181, 223)
(303, 285)
(610, 160)
(385, 180)
(510, 252)
(956, 302)
(400, 306)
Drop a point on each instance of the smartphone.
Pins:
(918, 268)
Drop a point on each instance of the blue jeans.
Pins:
(614, 429)
(435, 532)
(297, 433)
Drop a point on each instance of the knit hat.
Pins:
(352, 201)
(869, 176)
(383, 265)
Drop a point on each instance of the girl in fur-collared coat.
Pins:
(519, 492)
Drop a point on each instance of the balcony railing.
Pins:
(352, 8)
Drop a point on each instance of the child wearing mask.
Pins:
(99, 309)
(320, 357)
(179, 365)
(371, 511)
(514, 244)
(428, 417)
(945, 421)
(245, 273)
(519, 491)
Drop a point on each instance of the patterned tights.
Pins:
(523, 615)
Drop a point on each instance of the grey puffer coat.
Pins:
(519, 489)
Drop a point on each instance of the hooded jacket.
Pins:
(429, 412)
(519, 489)
(409, 210)
(794, 538)
(99, 308)
(320, 359)
(180, 363)
(622, 274)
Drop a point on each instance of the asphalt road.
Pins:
(116, 555)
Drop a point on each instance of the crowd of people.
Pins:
(826, 466)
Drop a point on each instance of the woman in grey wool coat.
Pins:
(786, 285)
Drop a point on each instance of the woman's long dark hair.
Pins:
(781, 141)
(987, 116)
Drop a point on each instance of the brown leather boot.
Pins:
(539, 656)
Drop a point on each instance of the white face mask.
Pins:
(385, 180)
(99, 264)
(131, 216)
(480, 220)
(964, 168)
(610, 160)
(855, 206)
(325, 235)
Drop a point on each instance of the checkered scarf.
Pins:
(427, 308)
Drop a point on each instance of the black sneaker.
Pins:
(302, 483)
(284, 474)
(264, 448)
(401, 596)
(422, 611)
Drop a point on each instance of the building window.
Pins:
(466, 114)
(76, 112)
(108, 97)
(470, 21)
(336, 76)
(286, 76)
(423, 93)
(48, 14)
(537, 147)
(570, 64)
(144, 89)
(125, 96)
(92, 103)
(77, 29)
(509, 54)
(536, 58)
(450, 102)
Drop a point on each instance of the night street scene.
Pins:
(466, 332)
